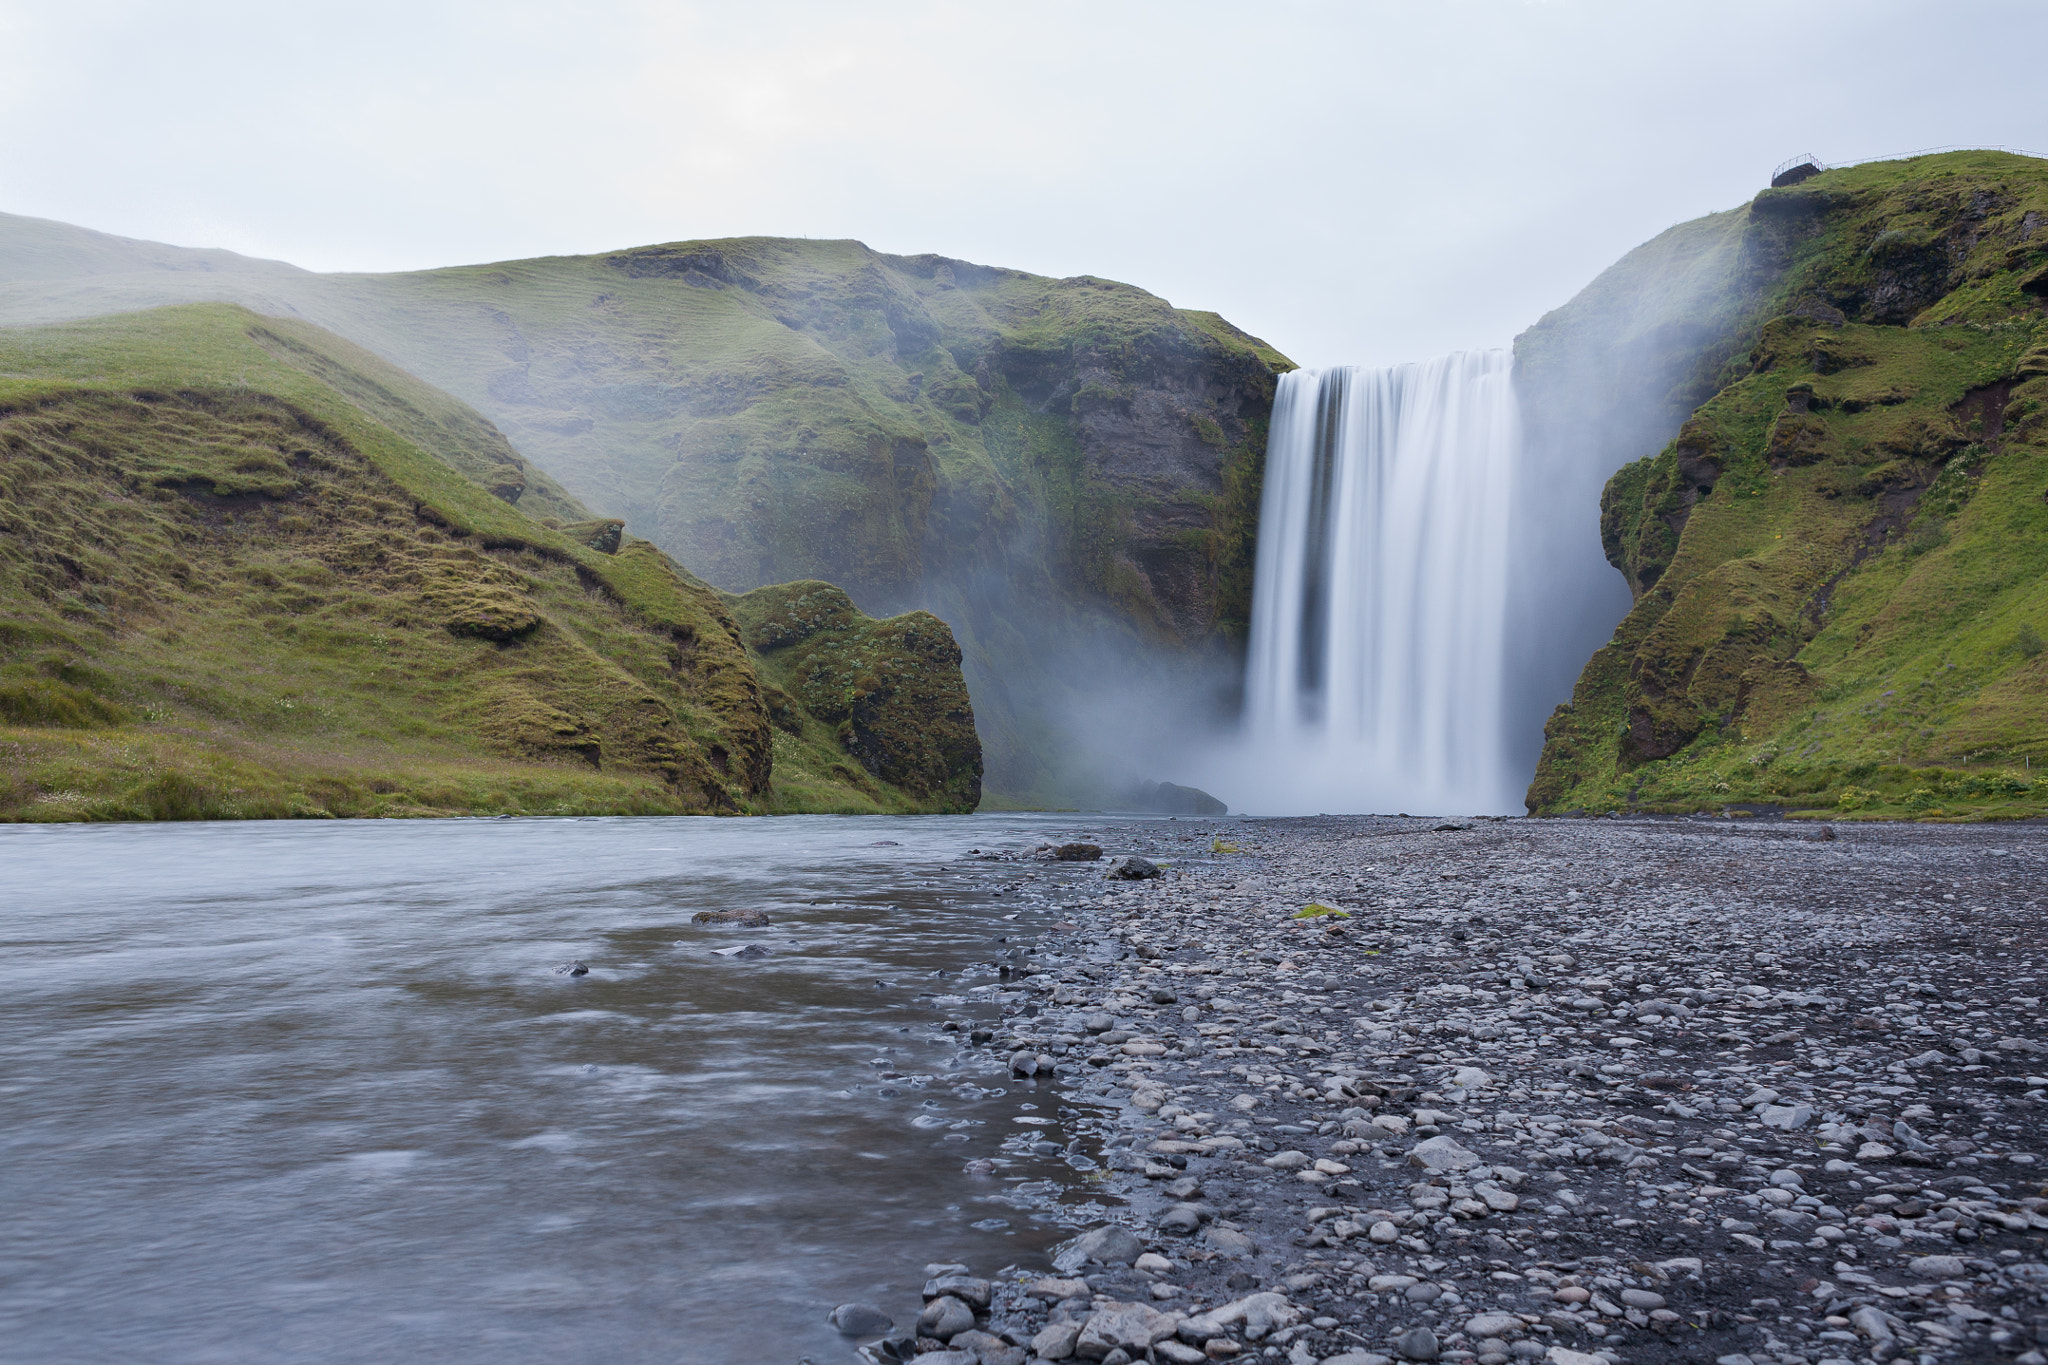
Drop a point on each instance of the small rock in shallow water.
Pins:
(861, 1320)
(572, 969)
(1134, 869)
(749, 951)
(1078, 853)
(748, 919)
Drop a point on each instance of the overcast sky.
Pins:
(1357, 182)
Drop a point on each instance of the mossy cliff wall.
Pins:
(1056, 467)
(248, 569)
(1839, 564)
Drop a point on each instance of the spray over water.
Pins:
(1374, 679)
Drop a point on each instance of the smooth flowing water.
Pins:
(1374, 675)
(294, 1091)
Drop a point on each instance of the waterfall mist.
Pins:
(1376, 670)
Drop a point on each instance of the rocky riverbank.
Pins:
(1577, 1091)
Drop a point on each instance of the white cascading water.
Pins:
(1375, 673)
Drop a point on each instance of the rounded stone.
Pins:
(1641, 1298)
(1418, 1343)
(861, 1320)
(945, 1318)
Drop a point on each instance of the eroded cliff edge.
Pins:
(1839, 566)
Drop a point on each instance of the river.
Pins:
(317, 1091)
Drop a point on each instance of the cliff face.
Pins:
(1038, 461)
(1839, 565)
(251, 570)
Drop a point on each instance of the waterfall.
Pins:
(1375, 672)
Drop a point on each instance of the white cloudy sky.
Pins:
(1358, 182)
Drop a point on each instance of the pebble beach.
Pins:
(1592, 1092)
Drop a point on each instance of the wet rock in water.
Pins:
(861, 1320)
(572, 969)
(746, 919)
(749, 952)
(1107, 1245)
(945, 1318)
(1418, 1343)
(1133, 869)
(1099, 1022)
(1078, 853)
(981, 1165)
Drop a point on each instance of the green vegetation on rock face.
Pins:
(248, 569)
(1840, 564)
(1037, 460)
(867, 702)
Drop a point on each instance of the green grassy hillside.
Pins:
(1840, 565)
(1040, 461)
(249, 569)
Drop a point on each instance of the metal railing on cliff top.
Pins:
(1810, 158)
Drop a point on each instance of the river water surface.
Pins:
(297, 1091)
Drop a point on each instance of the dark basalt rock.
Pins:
(746, 919)
(1167, 798)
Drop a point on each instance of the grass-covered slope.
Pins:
(1038, 460)
(248, 569)
(1840, 565)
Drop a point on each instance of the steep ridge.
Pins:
(249, 569)
(1066, 471)
(1837, 565)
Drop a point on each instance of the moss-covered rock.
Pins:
(1832, 559)
(890, 693)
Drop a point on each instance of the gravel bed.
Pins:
(1573, 1090)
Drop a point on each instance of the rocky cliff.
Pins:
(1839, 564)
(249, 569)
(1065, 470)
